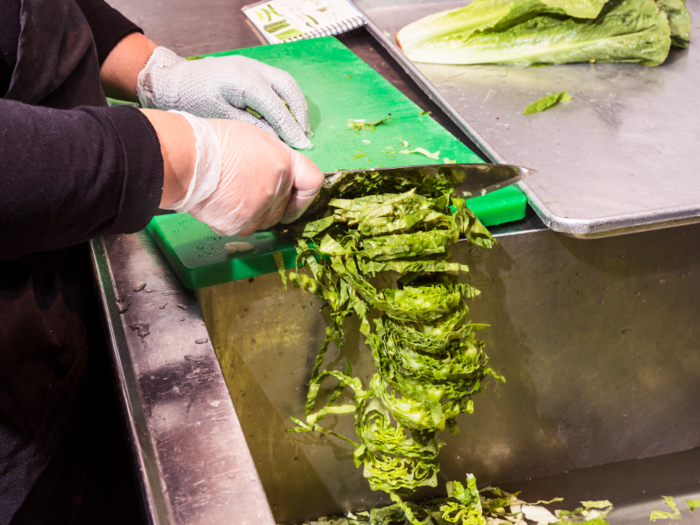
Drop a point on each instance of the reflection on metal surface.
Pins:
(621, 155)
(143, 452)
(193, 462)
(598, 341)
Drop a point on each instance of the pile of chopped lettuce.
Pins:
(539, 32)
(466, 505)
(428, 361)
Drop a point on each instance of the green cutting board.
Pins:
(338, 87)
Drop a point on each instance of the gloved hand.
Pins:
(223, 87)
(245, 179)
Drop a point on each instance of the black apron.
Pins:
(49, 314)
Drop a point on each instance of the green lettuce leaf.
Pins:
(679, 21)
(279, 263)
(467, 509)
(531, 32)
(481, 15)
(693, 504)
(547, 102)
(663, 515)
(465, 504)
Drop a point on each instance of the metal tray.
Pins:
(622, 156)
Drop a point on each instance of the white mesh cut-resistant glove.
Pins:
(246, 179)
(223, 87)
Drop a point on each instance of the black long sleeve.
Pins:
(67, 176)
(108, 25)
(9, 36)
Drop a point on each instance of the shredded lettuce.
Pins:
(663, 515)
(279, 263)
(423, 151)
(256, 114)
(467, 508)
(358, 125)
(693, 504)
(594, 512)
(429, 363)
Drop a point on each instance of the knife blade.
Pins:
(477, 179)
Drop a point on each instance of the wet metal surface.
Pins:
(193, 462)
(621, 156)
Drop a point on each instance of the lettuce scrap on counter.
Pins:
(539, 32)
(547, 102)
(429, 363)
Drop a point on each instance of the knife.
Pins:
(477, 179)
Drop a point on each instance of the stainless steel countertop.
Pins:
(192, 460)
(622, 156)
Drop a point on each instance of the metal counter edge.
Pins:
(140, 445)
(233, 488)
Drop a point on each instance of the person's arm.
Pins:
(120, 71)
(122, 50)
(71, 175)
(108, 26)
(178, 149)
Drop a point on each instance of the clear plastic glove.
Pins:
(245, 179)
(223, 87)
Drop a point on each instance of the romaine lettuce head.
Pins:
(679, 20)
(480, 15)
(534, 32)
(463, 21)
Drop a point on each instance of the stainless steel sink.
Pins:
(598, 341)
